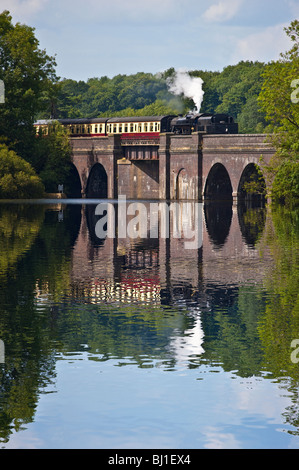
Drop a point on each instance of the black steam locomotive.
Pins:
(204, 122)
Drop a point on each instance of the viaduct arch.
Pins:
(189, 167)
(97, 182)
(230, 161)
(218, 183)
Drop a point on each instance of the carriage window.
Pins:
(139, 127)
(151, 127)
(120, 128)
(145, 127)
(131, 127)
(126, 128)
(135, 127)
(88, 129)
(114, 128)
(95, 129)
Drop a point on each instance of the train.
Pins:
(145, 127)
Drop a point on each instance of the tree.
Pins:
(27, 72)
(278, 99)
(238, 87)
(17, 177)
(52, 157)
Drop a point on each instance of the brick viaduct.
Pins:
(190, 167)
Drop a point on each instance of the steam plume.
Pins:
(190, 87)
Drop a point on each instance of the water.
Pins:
(129, 343)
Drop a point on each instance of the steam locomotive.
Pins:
(204, 122)
(146, 126)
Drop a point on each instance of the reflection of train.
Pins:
(146, 126)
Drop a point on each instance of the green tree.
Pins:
(27, 72)
(17, 177)
(52, 157)
(238, 87)
(278, 100)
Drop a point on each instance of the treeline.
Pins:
(29, 166)
(235, 90)
(261, 98)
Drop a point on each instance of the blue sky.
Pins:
(92, 38)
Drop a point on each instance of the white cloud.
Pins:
(22, 10)
(118, 11)
(220, 440)
(264, 46)
(222, 11)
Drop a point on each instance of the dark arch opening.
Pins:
(97, 184)
(252, 185)
(72, 187)
(218, 185)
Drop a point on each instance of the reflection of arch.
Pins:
(218, 219)
(72, 187)
(72, 221)
(252, 220)
(256, 185)
(91, 220)
(97, 183)
(181, 184)
(218, 184)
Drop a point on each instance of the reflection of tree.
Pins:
(19, 226)
(138, 332)
(42, 313)
(27, 326)
(280, 322)
(252, 222)
(233, 337)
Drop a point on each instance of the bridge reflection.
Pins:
(160, 269)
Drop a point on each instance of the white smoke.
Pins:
(190, 87)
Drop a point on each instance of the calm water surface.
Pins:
(142, 343)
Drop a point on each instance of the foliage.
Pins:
(255, 182)
(27, 72)
(113, 96)
(280, 322)
(238, 88)
(234, 90)
(17, 177)
(19, 226)
(52, 157)
(278, 100)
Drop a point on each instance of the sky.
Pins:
(93, 38)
